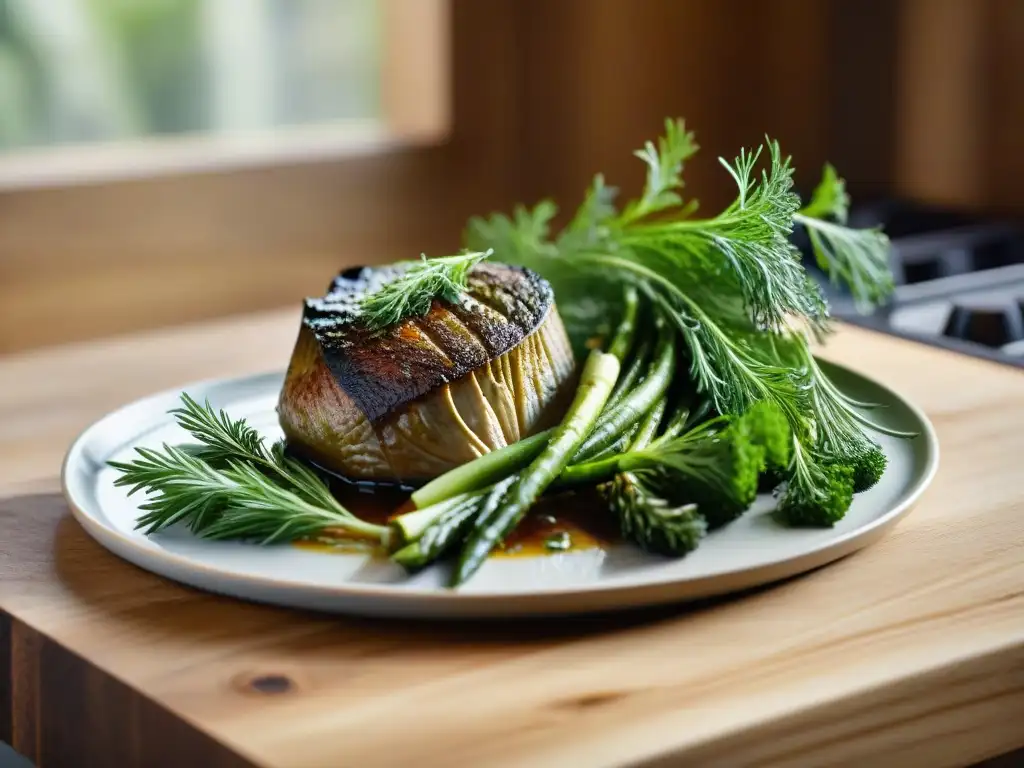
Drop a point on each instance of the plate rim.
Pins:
(168, 563)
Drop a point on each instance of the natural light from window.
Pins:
(86, 72)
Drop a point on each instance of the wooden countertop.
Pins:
(910, 653)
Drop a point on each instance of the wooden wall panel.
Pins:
(960, 124)
(1002, 152)
(601, 75)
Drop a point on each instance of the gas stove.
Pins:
(959, 280)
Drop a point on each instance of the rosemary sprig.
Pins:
(231, 486)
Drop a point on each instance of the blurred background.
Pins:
(169, 161)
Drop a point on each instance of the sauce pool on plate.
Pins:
(568, 522)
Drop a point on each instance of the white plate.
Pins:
(749, 552)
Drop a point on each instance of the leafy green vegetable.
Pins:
(412, 294)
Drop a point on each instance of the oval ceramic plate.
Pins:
(749, 552)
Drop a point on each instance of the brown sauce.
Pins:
(568, 522)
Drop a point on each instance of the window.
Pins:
(84, 71)
(106, 88)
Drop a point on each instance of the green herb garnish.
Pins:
(413, 293)
(231, 486)
(558, 542)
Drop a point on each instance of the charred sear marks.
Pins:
(382, 371)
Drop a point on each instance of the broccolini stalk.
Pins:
(816, 494)
(714, 465)
(615, 421)
(632, 374)
(770, 429)
(596, 383)
(622, 342)
(600, 470)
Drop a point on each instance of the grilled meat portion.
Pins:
(430, 392)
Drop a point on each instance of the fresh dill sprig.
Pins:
(231, 486)
(830, 198)
(413, 293)
(857, 257)
(748, 242)
(838, 418)
(664, 172)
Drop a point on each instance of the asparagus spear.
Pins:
(450, 528)
(481, 472)
(622, 342)
(632, 374)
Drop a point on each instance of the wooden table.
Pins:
(910, 653)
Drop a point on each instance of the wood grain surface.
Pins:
(910, 653)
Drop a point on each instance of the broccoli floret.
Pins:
(747, 458)
(864, 459)
(649, 520)
(714, 466)
(868, 468)
(816, 494)
(770, 429)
